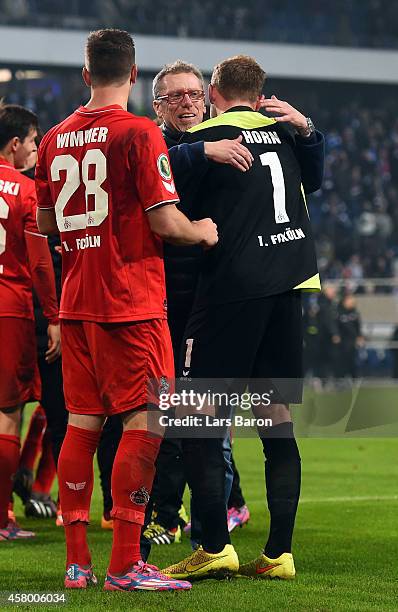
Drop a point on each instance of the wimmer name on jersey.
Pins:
(265, 243)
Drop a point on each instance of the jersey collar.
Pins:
(101, 110)
(237, 109)
(171, 134)
(5, 162)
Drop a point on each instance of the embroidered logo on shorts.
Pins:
(140, 497)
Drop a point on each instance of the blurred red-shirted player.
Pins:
(25, 261)
(103, 179)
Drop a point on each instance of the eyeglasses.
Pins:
(175, 97)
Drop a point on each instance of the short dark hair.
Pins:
(239, 77)
(110, 56)
(177, 67)
(15, 121)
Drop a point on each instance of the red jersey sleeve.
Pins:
(43, 277)
(44, 198)
(29, 203)
(151, 169)
(39, 257)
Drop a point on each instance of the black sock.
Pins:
(283, 479)
(205, 471)
(236, 499)
(107, 447)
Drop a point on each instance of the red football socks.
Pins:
(9, 460)
(31, 445)
(132, 478)
(46, 469)
(125, 548)
(75, 480)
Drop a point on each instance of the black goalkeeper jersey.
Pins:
(265, 243)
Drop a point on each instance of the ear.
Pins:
(133, 75)
(157, 107)
(86, 76)
(211, 93)
(14, 144)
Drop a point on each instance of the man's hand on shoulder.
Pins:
(230, 152)
(285, 111)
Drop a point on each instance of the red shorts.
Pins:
(19, 373)
(109, 367)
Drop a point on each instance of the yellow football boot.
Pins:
(106, 522)
(264, 567)
(201, 564)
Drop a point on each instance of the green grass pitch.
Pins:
(345, 545)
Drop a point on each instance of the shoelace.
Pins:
(147, 568)
(13, 526)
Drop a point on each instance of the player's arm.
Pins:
(173, 226)
(230, 152)
(46, 222)
(154, 182)
(43, 280)
(309, 148)
(311, 157)
(185, 157)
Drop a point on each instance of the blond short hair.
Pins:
(239, 77)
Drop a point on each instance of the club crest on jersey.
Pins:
(140, 497)
(164, 166)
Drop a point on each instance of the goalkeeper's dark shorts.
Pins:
(258, 343)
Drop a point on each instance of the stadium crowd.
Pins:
(354, 214)
(343, 23)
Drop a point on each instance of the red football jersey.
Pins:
(102, 170)
(17, 216)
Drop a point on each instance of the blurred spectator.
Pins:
(313, 356)
(394, 353)
(321, 334)
(349, 329)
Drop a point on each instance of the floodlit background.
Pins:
(337, 61)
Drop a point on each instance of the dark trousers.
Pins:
(169, 484)
(53, 402)
(107, 447)
(236, 499)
